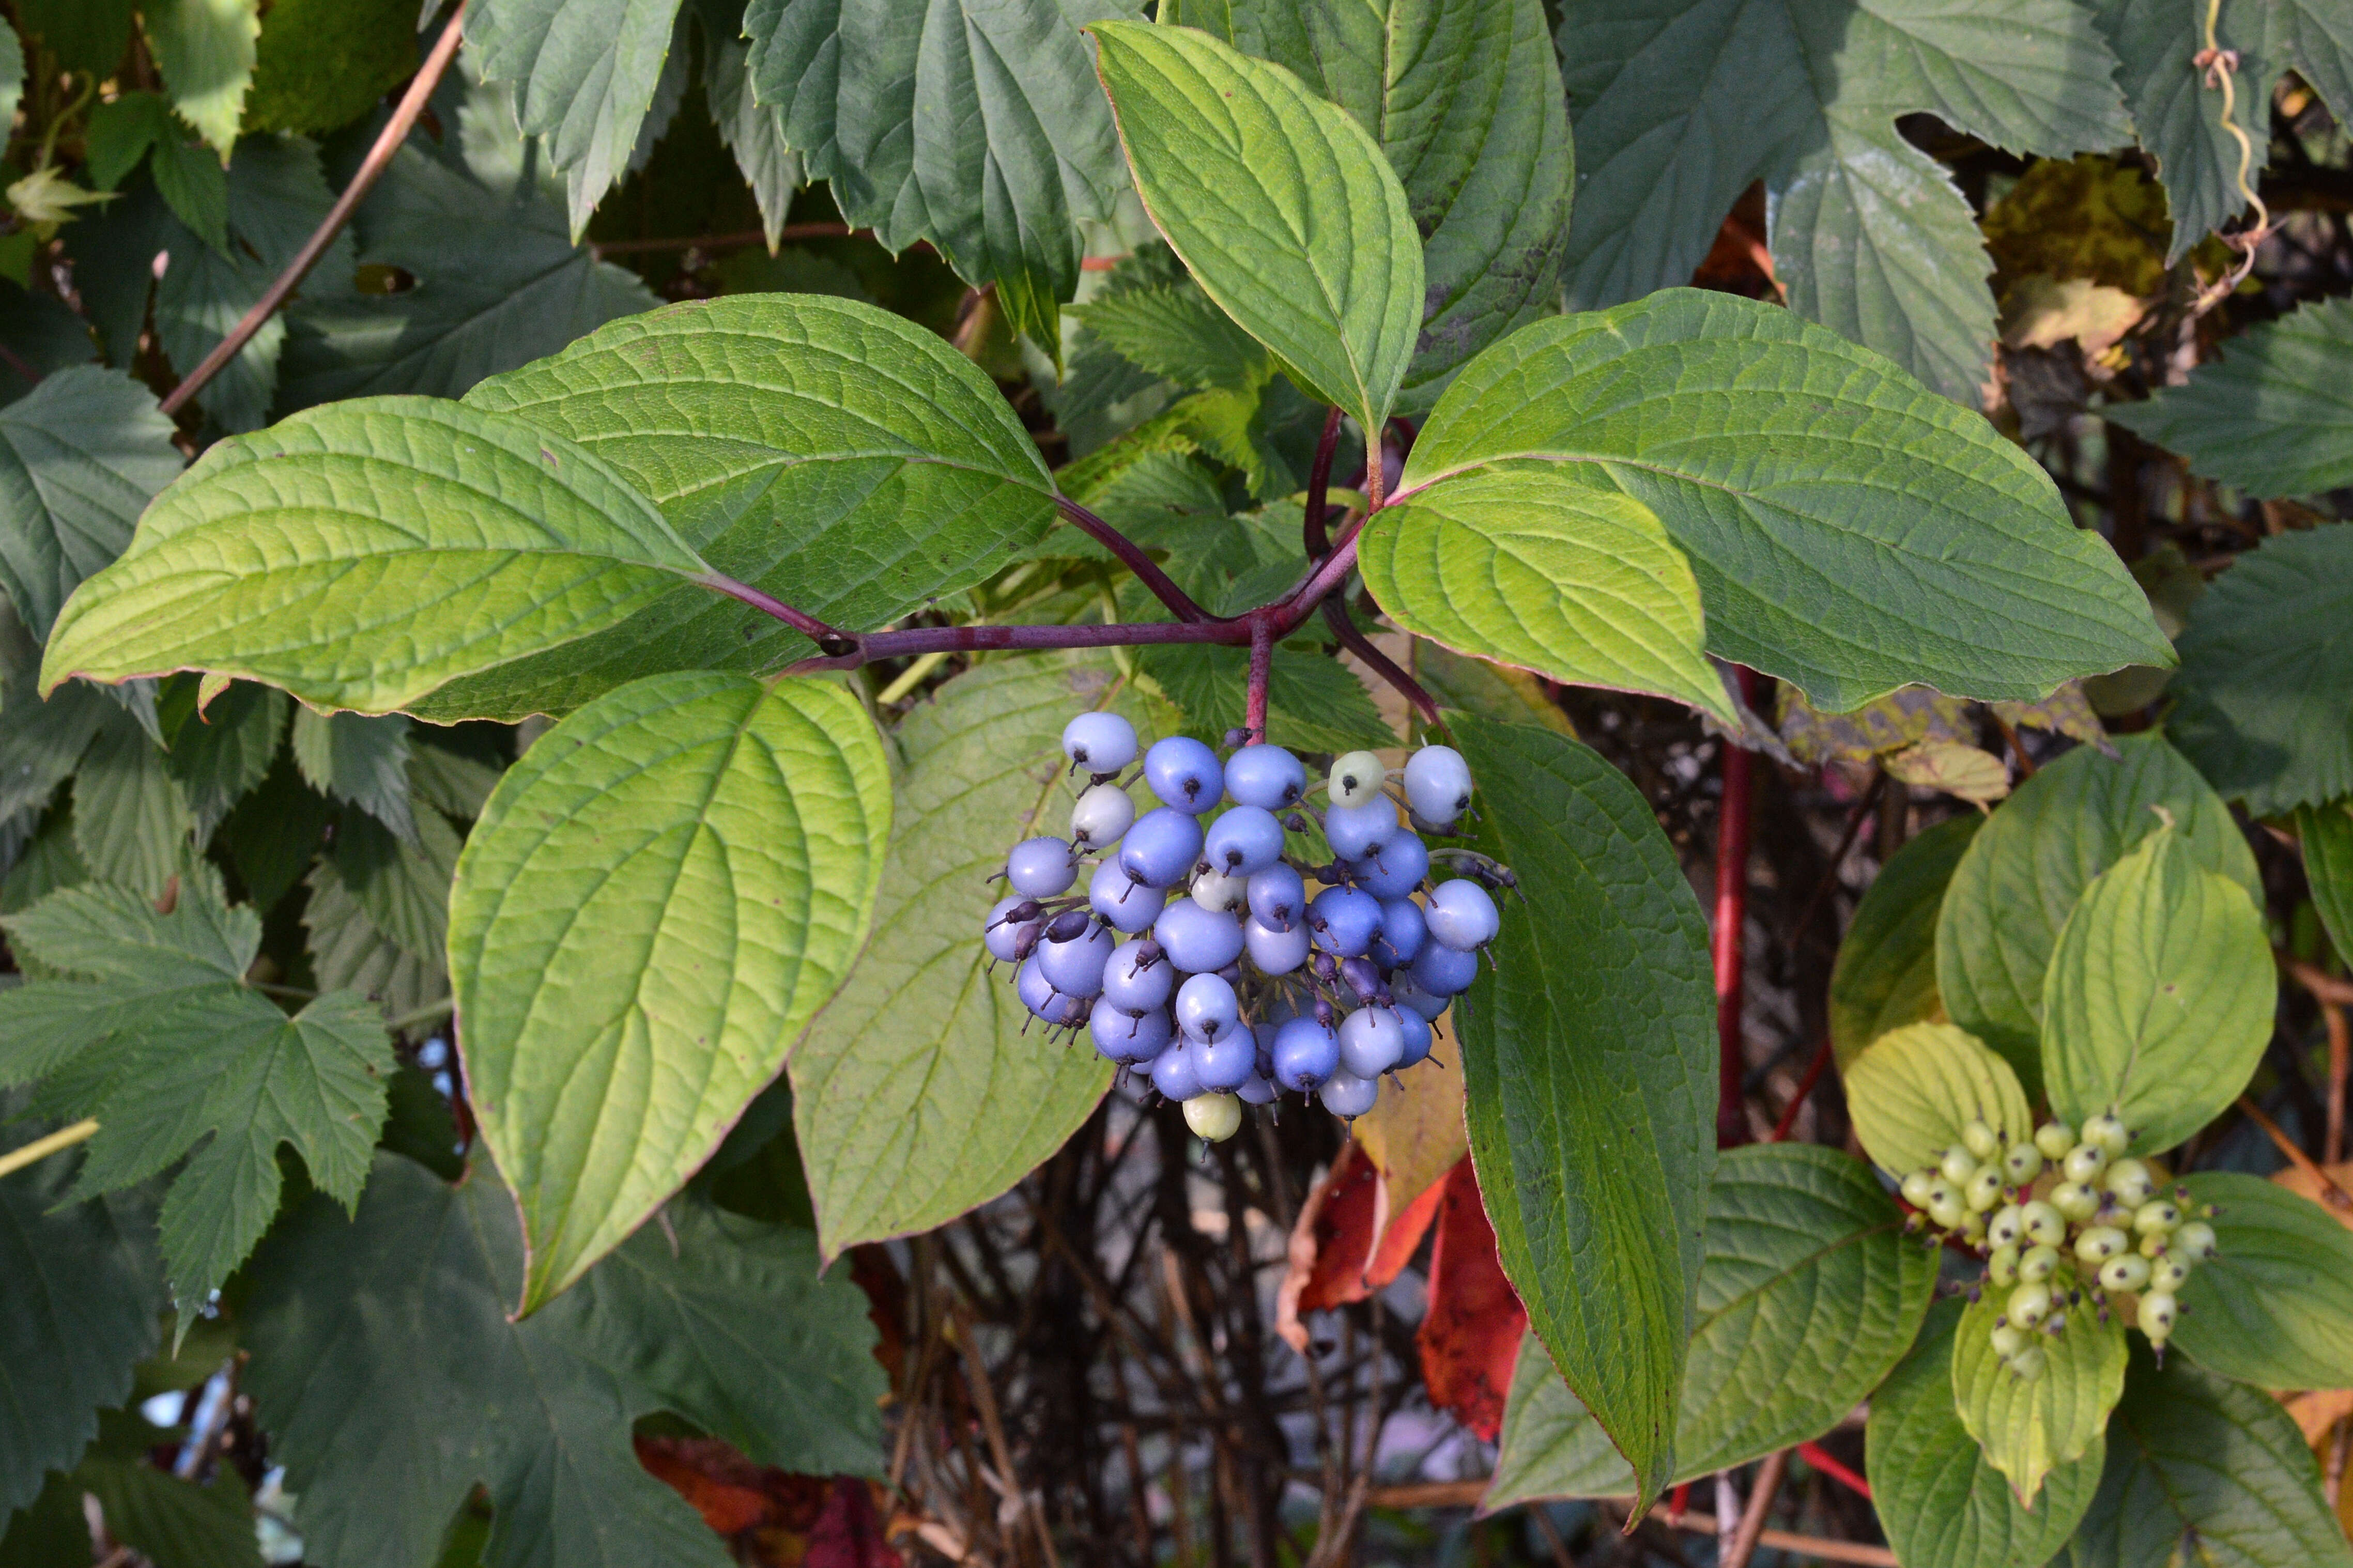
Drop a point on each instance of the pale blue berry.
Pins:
(1174, 1071)
(1042, 867)
(1195, 940)
(1207, 1009)
(1306, 1054)
(1125, 904)
(1371, 1041)
(1344, 920)
(1346, 1094)
(1275, 951)
(1137, 977)
(1462, 916)
(1160, 849)
(1267, 777)
(1127, 1037)
(1395, 868)
(1243, 842)
(1438, 784)
(1356, 831)
(1075, 968)
(1403, 931)
(1227, 1063)
(1445, 971)
(1184, 773)
(1099, 743)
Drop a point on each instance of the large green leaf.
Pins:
(360, 555)
(2325, 834)
(1885, 976)
(1464, 97)
(842, 457)
(2273, 1306)
(172, 1522)
(1851, 532)
(204, 49)
(2030, 1429)
(1916, 1087)
(2180, 119)
(81, 456)
(658, 896)
(1281, 204)
(1590, 1063)
(1681, 104)
(1809, 1294)
(2272, 417)
(2021, 877)
(2207, 1472)
(2160, 994)
(971, 125)
(925, 1088)
(1941, 1505)
(1576, 582)
(391, 1380)
(2265, 693)
(80, 1312)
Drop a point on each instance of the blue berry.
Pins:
(1243, 842)
(1042, 867)
(1207, 1009)
(1371, 1041)
(1401, 935)
(1438, 784)
(1258, 1090)
(1174, 1071)
(1267, 777)
(1228, 1063)
(1197, 941)
(1396, 868)
(1306, 1054)
(1356, 831)
(997, 934)
(1462, 916)
(1414, 997)
(1445, 971)
(1344, 920)
(1075, 968)
(1418, 1036)
(1128, 1036)
(1346, 1094)
(1037, 994)
(1101, 816)
(1184, 773)
(1099, 743)
(1125, 904)
(1275, 952)
(1132, 982)
(1278, 898)
(1160, 850)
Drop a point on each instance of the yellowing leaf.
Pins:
(1917, 1086)
(1967, 772)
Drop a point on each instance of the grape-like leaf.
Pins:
(2030, 1429)
(2271, 417)
(1851, 532)
(1885, 976)
(1914, 1089)
(2326, 833)
(658, 896)
(221, 754)
(2273, 1306)
(81, 456)
(131, 821)
(360, 759)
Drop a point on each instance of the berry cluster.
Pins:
(2021, 1205)
(1244, 985)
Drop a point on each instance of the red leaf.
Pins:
(1344, 1234)
(1395, 1248)
(773, 1518)
(1471, 1334)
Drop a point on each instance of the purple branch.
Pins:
(832, 639)
(1319, 490)
(1180, 603)
(1262, 670)
(1344, 626)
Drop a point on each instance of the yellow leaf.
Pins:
(1967, 772)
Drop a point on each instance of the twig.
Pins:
(1805, 1092)
(1731, 915)
(42, 1148)
(1760, 1499)
(379, 158)
(2331, 1193)
(1261, 669)
(1803, 1546)
(1823, 1460)
(1344, 626)
(983, 1400)
(1132, 557)
(2323, 986)
(2340, 1060)
(830, 638)
(1319, 490)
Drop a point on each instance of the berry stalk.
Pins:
(1731, 914)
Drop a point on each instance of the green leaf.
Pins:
(80, 1312)
(2263, 704)
(88, 36)
(846, 459)
(321, 64)
(204, 49)
(400, 1314)
(1885, 976)
(2269, 417)
(1464, 97)
(2030, 1429)
(131, 821)
(924, 1088)
(1680, 107)
(403, 890)
(974, 127)
(1580, 584)
(272, 833)
(2021, 877)
(360, 759)
(1313, 703)
(1809, 1294)
(191, 181)
(659, 896)
(1280, 202)
(2273, 1306)
(43, 332)
(754, 131)
(2179, 118)
(1178, 333)
(373, 513)
(224, 753)
(1914, 1091)
(1851, 532)
(585, 73)
(2160, 994)
(173, 1523)
(1941, 1504)
(2326, 833)
(12, 73)
(41, 742)
(1589, 1061)
(2204, 1471)
(81, 456)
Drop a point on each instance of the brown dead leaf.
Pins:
(2041, 312)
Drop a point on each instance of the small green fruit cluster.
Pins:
(2024, 1205)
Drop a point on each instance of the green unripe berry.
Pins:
(1984, 1189)
(2131, 1181)
(2045, 1227)
(2107, 1133)
(2126, 1273)
(1973, 1226)
(2158, 1312)
(1958, 1165)
(2008, 1342)
(1980, 1139)
(1916, 1187)
(2083, 1163)
(2003, 1267)
(2075, 1201)
(2054, 1138)
(2195, 1241)
(2027, 1364)
(2100, 1243)
(1218, 893)
(2008, 1227)
(2168, 1275)
(1213, 1117)
(1946, 1209)
(1356, 778)
(2038, 1263)
(2158, 1216)
(2156, 1243)
(2028, 1305)
(2022, 1165)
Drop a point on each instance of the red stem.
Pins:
(1319, 490)
(1805, 1092)
(379, 158)
(1132, 557)
(1816, 1456)
(830, 638)
(1731, 914)
(1261, 669)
